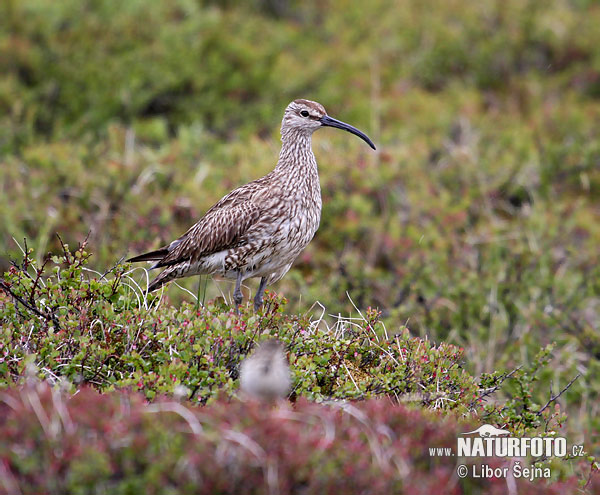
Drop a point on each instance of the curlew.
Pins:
(258, 229)
(265, 375)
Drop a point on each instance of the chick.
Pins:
(265, 375)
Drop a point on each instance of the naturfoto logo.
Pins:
(494, 441)
(489, 441)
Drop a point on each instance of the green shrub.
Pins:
(104, 330)
(86, 328)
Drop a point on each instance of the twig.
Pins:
(103, 275)
(489, 391)
(65, 249)
(32, 308)
(38, 276)
(554, 397)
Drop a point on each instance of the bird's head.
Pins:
(305, 116)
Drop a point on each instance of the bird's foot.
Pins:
(260, 294)
(237, 293)
(237, 302)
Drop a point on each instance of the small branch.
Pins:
(489, 391)
(65, 250)
(49, 317)
(26, 256)
(38, 276)
(554, 397)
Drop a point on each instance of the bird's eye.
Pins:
(304, 113)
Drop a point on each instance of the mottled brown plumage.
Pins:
(259, 229)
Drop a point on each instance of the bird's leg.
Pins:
(237, 293)
(258, 298)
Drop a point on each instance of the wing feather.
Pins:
(222, 227)
(226, 225)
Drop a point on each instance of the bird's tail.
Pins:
(163, 277)
(157, 255)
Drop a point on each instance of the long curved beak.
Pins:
(327, 121)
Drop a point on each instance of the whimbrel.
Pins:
(265, 374)
(259, 229)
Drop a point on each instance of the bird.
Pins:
(265, 375)
(260, 228)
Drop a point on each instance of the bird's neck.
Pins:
(298, 173)
(296, 153)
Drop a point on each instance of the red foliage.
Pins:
(117, 442)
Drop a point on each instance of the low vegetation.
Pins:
(77, 329)
(117, 443)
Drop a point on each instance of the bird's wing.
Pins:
(222, 227)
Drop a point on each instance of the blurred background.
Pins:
(476, 222)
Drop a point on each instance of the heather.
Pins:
(230, 447)
(454, 277)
